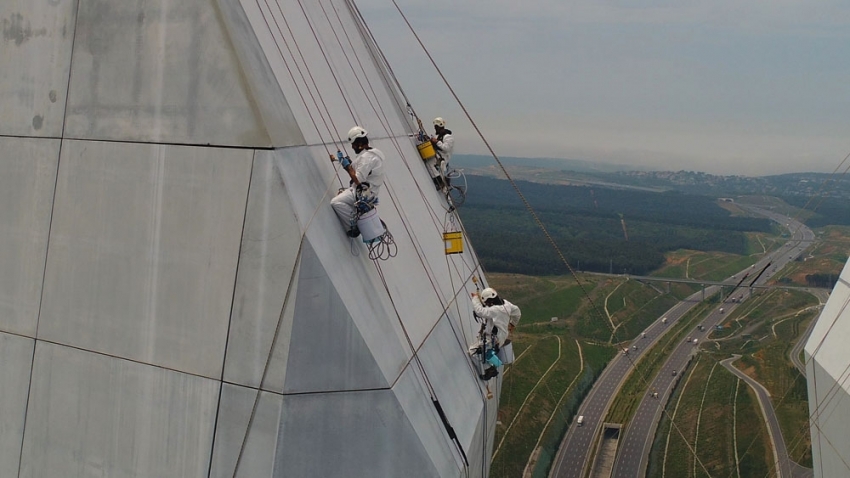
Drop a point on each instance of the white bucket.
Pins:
(506, 353)
(370, 226)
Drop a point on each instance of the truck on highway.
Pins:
(664, 320)
(580, 420)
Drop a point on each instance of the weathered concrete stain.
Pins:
(16, 29)
(37, 121)
(52, 96)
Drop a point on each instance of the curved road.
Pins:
(822, 296)
(635, 445)
(574, 453)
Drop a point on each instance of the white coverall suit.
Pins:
(498, 315)
(443, 148)
(369, 168)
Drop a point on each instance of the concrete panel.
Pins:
(327, 351)
(93, 415)
(16, 361)
(34, 63)
(829, 406)
(277, 117)
(831, 333)
(267, 257)
(143, 252)
(27, 179)
(330, 88)
(310, 183)
(412, 393)
(260, 444)
(446, 362)
(349, 434)
(160, 71)
(478, 451)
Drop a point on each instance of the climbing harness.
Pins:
(486, 349)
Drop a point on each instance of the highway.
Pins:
(573, 457)
(636, 442)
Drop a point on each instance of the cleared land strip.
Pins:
(641, 429)
(780, 452)
(527, 397)
(532, 459)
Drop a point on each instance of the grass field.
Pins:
(766, 360)
(635, 386)
(712, 427)
(541, 392)
(713, 266)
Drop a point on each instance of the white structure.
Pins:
(827, 373)
(170, 263)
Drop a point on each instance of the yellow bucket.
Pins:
(426, 150)
(454, 242)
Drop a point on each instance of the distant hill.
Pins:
(580, 172)
(557, 164)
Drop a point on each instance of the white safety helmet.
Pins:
(439, 122)
(488, 294)
(356, 133)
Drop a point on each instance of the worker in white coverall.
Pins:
(498, 314)
(443, 142)
(367, 174)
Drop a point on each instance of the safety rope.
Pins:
(522, 197)
(319, 206)
(528, 205)
(327, 61)
(415, 355)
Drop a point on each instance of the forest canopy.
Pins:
(586, 224)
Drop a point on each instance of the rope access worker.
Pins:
(443, 143)
(367, 174)
(498, 314)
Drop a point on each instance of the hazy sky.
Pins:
(725, 86)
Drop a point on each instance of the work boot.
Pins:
(489, 373)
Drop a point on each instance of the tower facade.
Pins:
(827, 373)
(178, 298)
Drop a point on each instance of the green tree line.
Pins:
(585, 223)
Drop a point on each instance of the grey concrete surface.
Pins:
(270, 243)
(324, 334)
(143, 252)
(193, 159)
(827, 377)
(233, 415)
(271, 104)
(15, 365)
(321, 435)
(440, 357)
(93, 415)
(331, 69)
(27, 182)
(160, 71)
(35, 60)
